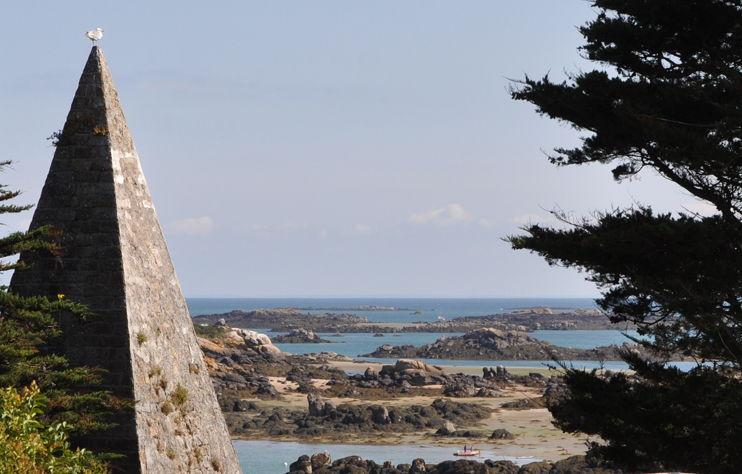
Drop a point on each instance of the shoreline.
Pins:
(534, 434)
(355, 365)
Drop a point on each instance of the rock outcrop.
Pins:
(286, 320)
(356, 465)
(236, 340)
(300, 336)
(326, 420)
(501, 433)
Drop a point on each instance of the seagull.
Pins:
(95, 35)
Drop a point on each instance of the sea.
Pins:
(274, 457)
(432, 307)
(353, 345)
(268, 457)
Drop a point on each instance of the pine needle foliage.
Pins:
(30, 356)
(667, 97)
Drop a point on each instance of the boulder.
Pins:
(485, 392)
(254, 339)
(412, 366)
(300, 336)
(269, 349)
(501, 467)
(403, 365)
(266, 388)
(502, 434)
(447, 429)
(316, 405)
(302, 465)
(244, 405)
(320, 460)
(418, 466)
(380, 415)
(213, 349)
(371, 374)
(462, 466)
(233, 337)
(330, 409)
(542, 467)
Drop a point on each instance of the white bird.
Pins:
(95, 35)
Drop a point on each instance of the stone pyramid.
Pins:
(116, 261)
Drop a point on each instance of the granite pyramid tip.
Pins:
(116, 261)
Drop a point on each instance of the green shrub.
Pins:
(29, 446)
(179, 396)
(209, 332)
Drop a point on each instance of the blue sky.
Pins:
(335, 148)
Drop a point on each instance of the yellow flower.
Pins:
(60, 296)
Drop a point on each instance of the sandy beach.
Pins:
(534, 434)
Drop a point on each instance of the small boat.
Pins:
(523, 457)
(476, 452)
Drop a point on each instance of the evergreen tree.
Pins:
(29, 333)
(668, 97)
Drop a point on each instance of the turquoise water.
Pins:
(352, 345)
(268, 457)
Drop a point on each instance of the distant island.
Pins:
(287, 320)
(495, 344)
(352, 308)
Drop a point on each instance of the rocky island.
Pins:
(321, 463)
(300, 336)
(287, 320)
(496, 344)
(350, 308)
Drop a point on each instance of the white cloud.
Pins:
(295, 225)
(359, 229)
(192, 226)
(449, 215)
(362, 229)
(485, 223)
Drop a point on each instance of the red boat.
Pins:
(476, 452)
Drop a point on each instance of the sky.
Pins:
(334, 148)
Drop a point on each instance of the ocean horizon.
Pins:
(432, 308)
